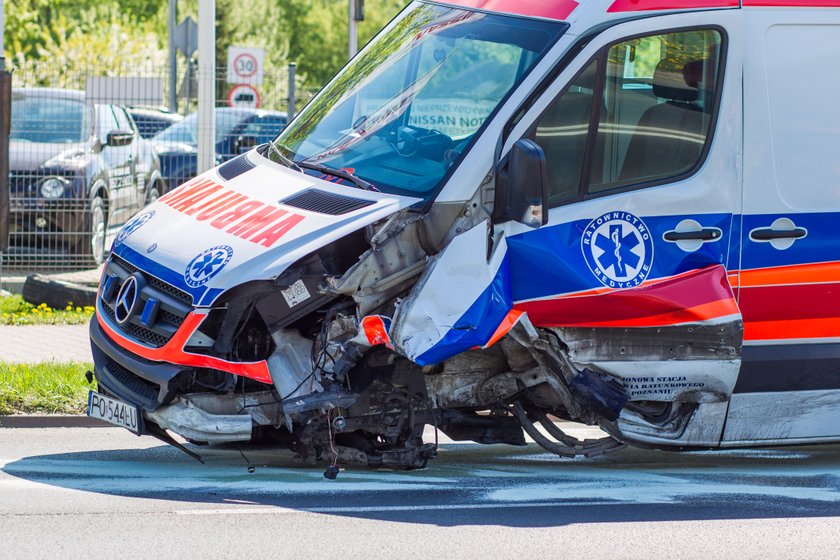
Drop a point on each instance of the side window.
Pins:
(653, 99)
(658, 99)
(562, 132)
(123, 122)
(105, 121)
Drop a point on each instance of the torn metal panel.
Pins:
(691, 425)
(687, 381)
(705, 341)
(193, 423)
(292, 371)
(459, 301)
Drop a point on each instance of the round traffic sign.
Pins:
(244, 96)
(245, 65)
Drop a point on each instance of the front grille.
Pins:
(145, 390)
(138, 332)
(173, 305)
(324, 202)
(154, 281)
(171, 318)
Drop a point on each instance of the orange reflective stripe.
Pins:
(792, 329)
(504, 327)
(173, 351)
(818, 273)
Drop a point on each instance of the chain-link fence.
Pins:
(90, 150)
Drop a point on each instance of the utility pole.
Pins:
(206, 84)
(2, 35)
(353, 43)
(5, 128)
(173, 66)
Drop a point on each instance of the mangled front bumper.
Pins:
(154, 388)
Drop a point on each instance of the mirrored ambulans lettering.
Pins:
(618, 249)
(233, 212)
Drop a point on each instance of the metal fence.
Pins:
(91, 149)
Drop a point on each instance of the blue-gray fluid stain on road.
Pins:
(471, 483)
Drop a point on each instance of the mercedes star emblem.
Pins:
(127, 300)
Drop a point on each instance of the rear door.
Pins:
(642, 142)
(789, 387)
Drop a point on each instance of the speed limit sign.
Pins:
(245, 66)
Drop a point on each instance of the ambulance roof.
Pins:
(569, 10)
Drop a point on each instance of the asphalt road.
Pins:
(104, 493)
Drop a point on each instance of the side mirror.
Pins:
(522, 186)
(244, 143)
(119, 138)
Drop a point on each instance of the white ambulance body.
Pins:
(617, 212)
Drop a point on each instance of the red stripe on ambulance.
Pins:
(252, 220)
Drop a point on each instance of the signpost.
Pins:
(244, 71)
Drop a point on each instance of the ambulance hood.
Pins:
(214, 233)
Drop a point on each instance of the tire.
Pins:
(153, 193)
(97, 224)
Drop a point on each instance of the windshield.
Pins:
(186, 131)
(402, 113)
(49, 120)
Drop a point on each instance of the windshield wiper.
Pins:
(283, 159)
(340, 173)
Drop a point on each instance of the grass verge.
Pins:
(15, 311)
(45, 388)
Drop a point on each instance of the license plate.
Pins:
(114, 411)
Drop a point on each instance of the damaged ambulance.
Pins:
(621, 213)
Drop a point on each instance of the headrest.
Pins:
(675, 81)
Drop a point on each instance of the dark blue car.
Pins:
(237, 131)
(77, 172)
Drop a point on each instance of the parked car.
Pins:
(78, 172)
(151, 120)
(237, 131)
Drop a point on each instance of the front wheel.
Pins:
(153, 193)
(98, 222)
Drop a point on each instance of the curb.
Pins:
(51, 421)
(57, 293)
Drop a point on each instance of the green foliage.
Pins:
(115, 35)
(15, 311)
(46, 388)
(70, 33)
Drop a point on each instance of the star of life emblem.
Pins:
(206, 265)
(133, 225)
(618, 249)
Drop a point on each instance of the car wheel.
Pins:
(97, 230)
(153, 193)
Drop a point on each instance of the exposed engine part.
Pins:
(291, 365)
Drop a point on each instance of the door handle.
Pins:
(781, 234)
(767, 234)
(690, 235)
(705, 234)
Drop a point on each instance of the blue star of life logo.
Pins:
(618, 249)
(133, 225)
(206, 265)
